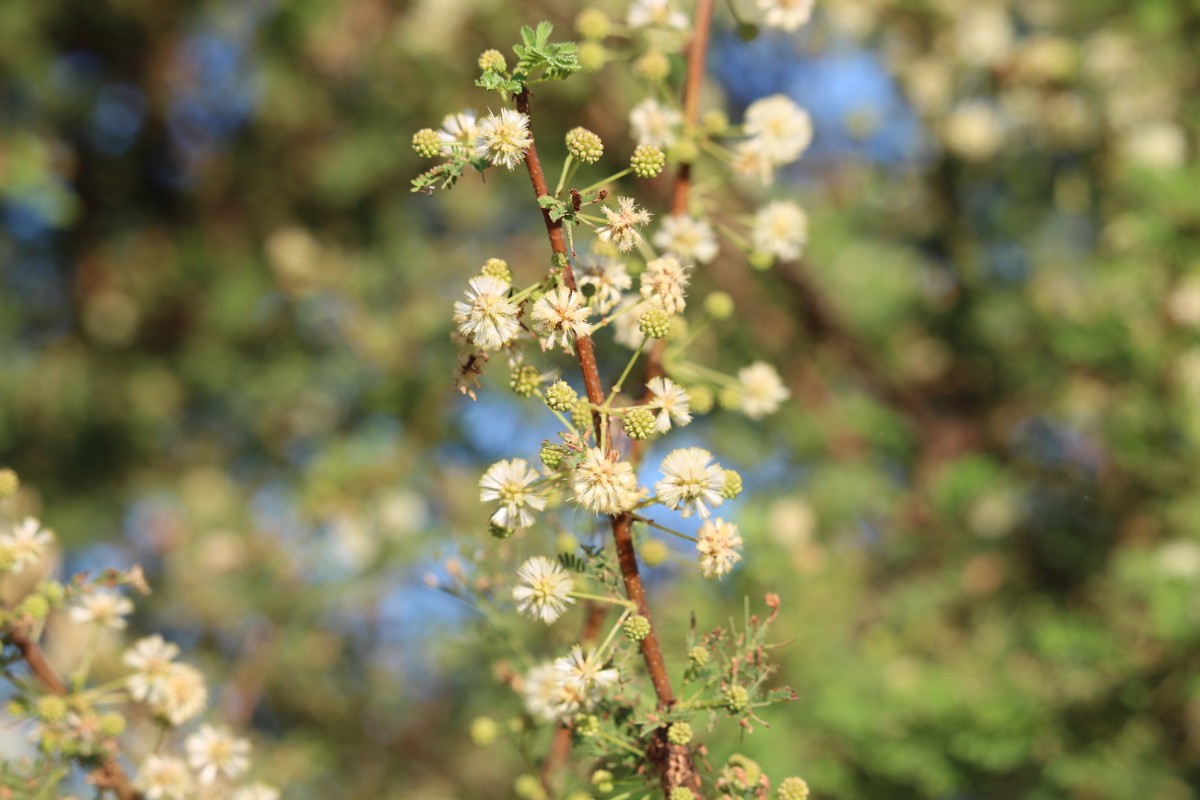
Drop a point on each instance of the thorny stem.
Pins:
(110, 774)
(679, 769)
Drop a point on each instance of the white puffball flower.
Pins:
(458, 129)
(691, 481)
(545, 589)
(604, 484)
(656, 13)
(719, 545)
(180, 695)
(760, 390)
(561, 316)
(213, 753)
(671, 401)
(26, 544)
(164, 778)
(780, 229)
(488, 318)
(107, 609)
(689, 238)
(622, 224)
(786, 15)
(151, 658)
(664, 282)
(781, 128)
(508, 482)
(653, 123)
(583, 677)
(503, 138)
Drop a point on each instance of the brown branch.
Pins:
(110, 774)
(677, 770)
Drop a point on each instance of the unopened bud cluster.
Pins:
(427, 143)
(637, 628)
(679, 733)
(584, 145)
(639, 423)
(497, 268)
(655, 323)
(647, 161)
(492, 61)
(525, 380)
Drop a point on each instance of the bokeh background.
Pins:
(225, 355)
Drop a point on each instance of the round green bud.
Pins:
(654, 552)
(592, 56)
(8, 557)
(719, 305)
(516, 724)
(499, 531)
(679, 733)
(36, 606)
(700, 399)
(552, 455)
(427, 143)
(737, 698)
(698, 656)
(653, 67)
(636, 628)
(793, 789)
(529, 787)
(715, 122)
(647, 161)
(9, 483)
(681, 793)
(584, 145)
(602, 779)
(587, 725)
(565, 543)
(761, 261)
(51, 708)
(525, 380)
(484, 731)
(733, 484)
(112, 724)
(730, 398)
(592, 24)
(639, 423)
(655, 322)
(53, 591)
(15, 709)
(679, 328)
(581, 416)
(579, 794)
(492, 61)
(497, 268)
(684, 151)
(560, 396)
(50, 742)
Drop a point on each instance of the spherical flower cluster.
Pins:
(179, 695)
(497, 268)
(664, 282)
(760, 390)
(26, 545)
(584, 145)
(653, 67)
(647, 161)
(152, 659)
(216, 753)
(492, 61)
(560, 396)
(656, 124)
(592, 24)
(427, 143)
(782, 130)
(689, 238)
(607, 277)
(655, 13)
(780, 230)
(458, 132)
(487, 319)
(737, 698)
(671, 402)
(719, 305)
(545, 589)
(787, 15)
(793, 789)
(583, 676)
(107, 609)
(622, 224)
(679, 733)
(525, 380)
(639, 423)
(509, 483)
(733, 484)
(9, 483)
(604, 484)
(719, 547)
(681, 793)
(165, 777)
(560, 316)
(503, 138)
(690, 481)
(636, 627)
(655, 322)
(552, 455)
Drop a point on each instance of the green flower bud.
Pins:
(700, 399)
(793, 789)
(685, 151)
(516, 724)
(761, 261)
(427, 143)
(636, 628)
(9, 483)
(525, 380)
(679, 328)
(587, 725)
(719, 305)
(653, 67)
(733, 484)
(565, 543)
(8, 558)
(654, 552)
(558, 261)
(499, 531)
(529, 787)
(112, 724)
(36, 606)
(581, 416)
(53, 591)
(561, 396)
(592, 56)
(647, 161)
(592, 24)
(492, 61)
(552, 455)
(715, 122)
(698, 657)
(50, 742)
(681, 793)
(584, 145)
(639, 423)
(51, 708)
(737, 699)
(655, 322)
(484, 731)
(730, 398)
(602, 779)
(679, 733)
(15, 709)
(497, 268)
